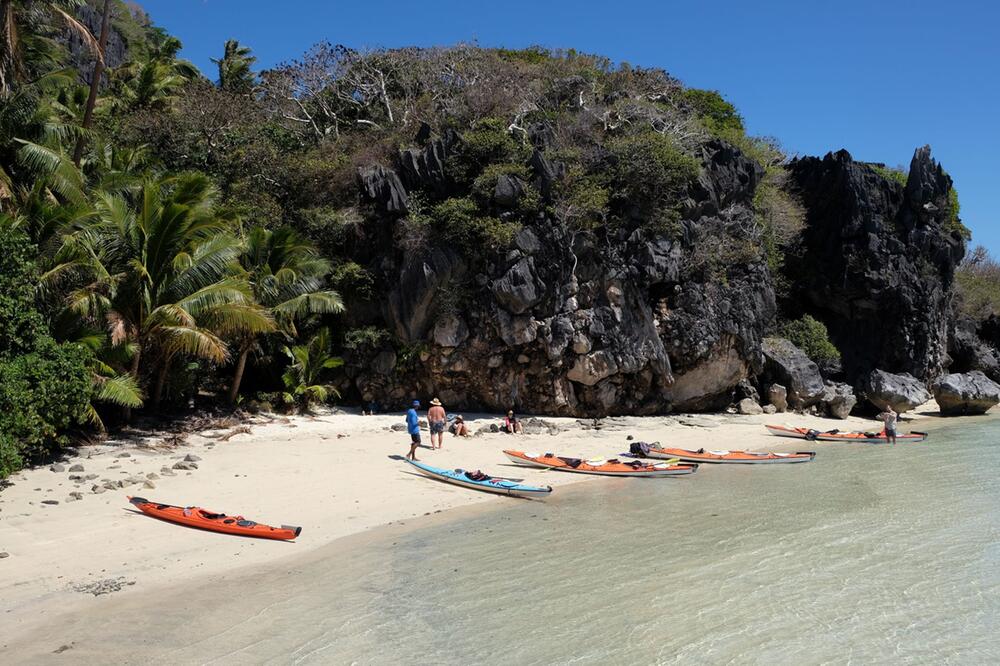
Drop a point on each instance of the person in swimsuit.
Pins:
(438, 421)
(888, 417)
(511, 424)
(459, 427)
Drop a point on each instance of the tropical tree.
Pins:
(25, 51)
(234, 67)
(156, 269)
(287, 276)
(308, 363)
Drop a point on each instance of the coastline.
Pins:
(331, 474)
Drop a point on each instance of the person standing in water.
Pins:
(437, 420)
(889, 417)
(413, 427)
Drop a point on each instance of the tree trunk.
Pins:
(241, 365)
(9, 64)
(161, 381)
(95, 84)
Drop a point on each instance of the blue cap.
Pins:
(416, 403)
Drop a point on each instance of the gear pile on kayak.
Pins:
(837, 436)
(600, 466)
(480, 481)
(654, 450)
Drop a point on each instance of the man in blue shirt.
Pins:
(413, 427)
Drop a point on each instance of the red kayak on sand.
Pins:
(193, 516)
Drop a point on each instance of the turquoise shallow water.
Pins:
(870, 554)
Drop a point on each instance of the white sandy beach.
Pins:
(334, 474)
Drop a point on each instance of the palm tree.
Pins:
(95, 80)
(152, 84)
(234, 67)
(287, 275)
(309, 361)
(24, 53)
(158, 271)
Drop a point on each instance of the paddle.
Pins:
(507, 478)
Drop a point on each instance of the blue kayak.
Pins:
(479, 481)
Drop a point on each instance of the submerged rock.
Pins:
(969, 393)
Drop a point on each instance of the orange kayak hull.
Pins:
(193, 516)
(732, 457)
(602, 468)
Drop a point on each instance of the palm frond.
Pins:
(121, 390)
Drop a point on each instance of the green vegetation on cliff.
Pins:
(174, 238)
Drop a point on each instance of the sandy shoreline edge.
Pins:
(333, 474)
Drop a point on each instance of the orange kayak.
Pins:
(837, 436)
(738, 457)
(601, 466)
(204, 519)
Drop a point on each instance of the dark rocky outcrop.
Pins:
(636, 319)
(902, 392)
(969, 393)
(598, 322)
(381, 186)
(878, 262)
(969, 350)
(787, 364)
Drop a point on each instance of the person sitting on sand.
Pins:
(437, 419)
(459, 428)
(413, 427)
(511, 424)
(888, 417)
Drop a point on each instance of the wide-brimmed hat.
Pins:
(435, 401)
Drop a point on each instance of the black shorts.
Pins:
(415, 438)
(890, 432)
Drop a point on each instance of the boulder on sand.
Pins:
(788, 364)
(966, 393)
(838, 399)
(777, 395)
(749, 406)
(901, 392)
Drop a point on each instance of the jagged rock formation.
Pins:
(970, 393)
(620, 319)
(970, 348)
(878, 262)
(609, 321)
(902, 392)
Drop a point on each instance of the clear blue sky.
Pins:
(878, 77)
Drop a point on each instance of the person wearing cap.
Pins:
(438, 420)
(413, 427)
